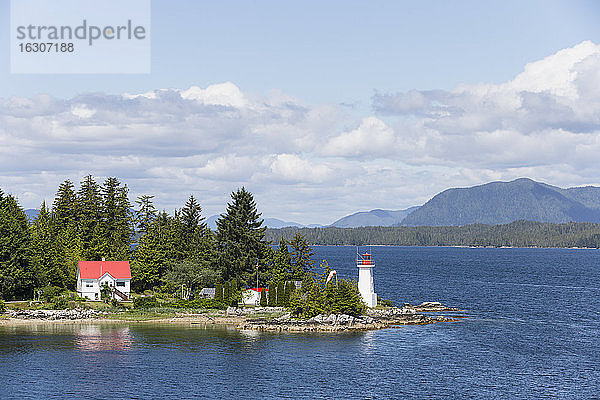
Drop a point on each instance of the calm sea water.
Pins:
(533, 331)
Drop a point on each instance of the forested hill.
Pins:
(516, 234)
(504, 202)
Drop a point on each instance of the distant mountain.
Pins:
(31, 213)
(504, 202)
(373, 218)
(211, 222)
(268, 222)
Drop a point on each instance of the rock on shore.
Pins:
(77, 313)
(374, 319)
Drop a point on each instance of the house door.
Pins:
(96, 295)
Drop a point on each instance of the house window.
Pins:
(89, 285)
(121, 284)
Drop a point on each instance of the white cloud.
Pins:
(223, 94)
(293, 169)
(372, 137)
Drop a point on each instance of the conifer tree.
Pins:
(240, 237)
(198, 241)
(301, 258)
(64, 210)
(146, 213)
(154, 253)
(281, 301)
(219, 292)
(117, 222)
(272, 300)
(45, 255)
(191, 217)
(263, 298)
(16, 273)
(89, 212)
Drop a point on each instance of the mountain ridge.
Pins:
(500, 202)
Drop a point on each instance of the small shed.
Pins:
(207, 293)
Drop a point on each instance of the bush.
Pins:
(170, 288)
(315, 298)
(384, 302)
(145, 302)
(49, 293)
(59, 303)
(2, 306)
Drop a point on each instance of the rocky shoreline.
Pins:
(374, 319)
(56, 315)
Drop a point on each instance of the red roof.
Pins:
(259, 289)
(96, 269)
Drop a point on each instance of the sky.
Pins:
(320, 109)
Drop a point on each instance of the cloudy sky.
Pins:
(319, 110)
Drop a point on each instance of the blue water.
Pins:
(533, 331)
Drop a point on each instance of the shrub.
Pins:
(384, 302)
(2, 306)
(317, 298)
(145, 302)
(263, 298)
(59, 303)
(51, 292)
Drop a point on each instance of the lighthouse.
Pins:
(365, 278)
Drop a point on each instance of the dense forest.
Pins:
(97, 221)
(516, 234)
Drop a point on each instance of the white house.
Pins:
(93, 275)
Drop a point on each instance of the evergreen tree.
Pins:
(16, 273)
(290, 287)
(64, 210)
(117, 223)
(219, 292)
(45, 251)
(69, 252)
(191, 217)
(89, 212)
(281, 300)
(263, 298)
(272, 300)
(240, 237)
(146, 213)
(198, 241)
(301, 258)
(156, 251)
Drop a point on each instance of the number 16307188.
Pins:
(46, 47)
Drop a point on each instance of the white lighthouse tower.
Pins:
(365, 278)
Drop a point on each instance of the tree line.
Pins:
(165, 250)
(515, 234)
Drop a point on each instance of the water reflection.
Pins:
(367, 343)
(102, 338)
